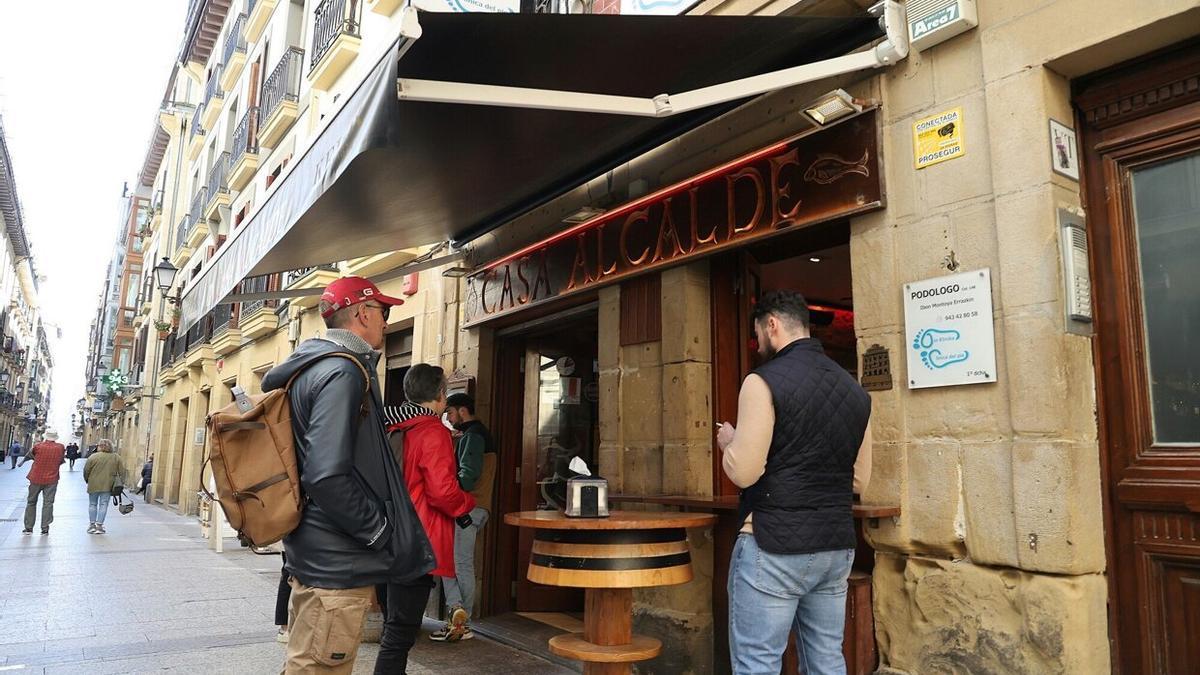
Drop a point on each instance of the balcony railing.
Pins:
(333, 19)
(223, 319)
(298, 274)
(283, 84)
(197, 126)
(218, 183)
(200, 332)
(212, 90)
(245, 136)
(181, 231)
(196, 213)
(236, 40)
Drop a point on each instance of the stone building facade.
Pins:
(1012, 550)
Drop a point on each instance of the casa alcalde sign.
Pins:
(807, 179)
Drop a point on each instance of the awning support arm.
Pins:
(888, 52)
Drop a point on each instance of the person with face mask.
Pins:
(476, 455)
(800, 452)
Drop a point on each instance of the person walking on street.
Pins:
(147, 474)
(476, 456)
(425, 452)
(72, 454)
(801, 449)
(43, 480)
(358, 527)
(14, 453)
(101, 471)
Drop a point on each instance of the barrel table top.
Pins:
(617, 520)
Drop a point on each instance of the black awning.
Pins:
(387, 175)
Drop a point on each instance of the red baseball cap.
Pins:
(349, 291)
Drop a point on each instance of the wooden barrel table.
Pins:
(609, 557)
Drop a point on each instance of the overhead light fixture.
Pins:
(583, 215)
(832, 106)
(814, 259)
(456, 272)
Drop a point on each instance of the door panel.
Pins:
(1142, 186)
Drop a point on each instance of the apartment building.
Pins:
(594, 262)
(25, 360)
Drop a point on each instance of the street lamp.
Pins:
(164, 278)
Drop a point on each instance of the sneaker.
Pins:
(282, 635)
(448, 633)
(45, 531)
(100, 529)
(458, 617)
(26, 531)
(91, 528)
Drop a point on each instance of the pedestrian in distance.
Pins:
(358, 527)
(475, 453)
(101, 472)
(799, 452)
(72, 454)
(147, 475)
(43, 480)
(425, 452)
(14, 453)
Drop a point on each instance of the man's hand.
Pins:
(725, 433)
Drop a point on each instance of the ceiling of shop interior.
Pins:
(826, 282)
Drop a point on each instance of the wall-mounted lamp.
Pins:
(831, 107)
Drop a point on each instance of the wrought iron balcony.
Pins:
(197, 126)
(333, 18)
(217, 184)
(245, 136)
(181, 231)
(196, 213)
(200, 332)
(283, 84)
(222, 318)
(298, 274)
(235, 42)
(212, 90)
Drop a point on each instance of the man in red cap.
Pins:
(359, 527)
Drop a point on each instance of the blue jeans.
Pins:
(771, 594)
(460, 588)
(98, 506)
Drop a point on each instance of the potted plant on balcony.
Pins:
(163, 328)
(175, 313)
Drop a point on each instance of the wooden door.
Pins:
(1141, 148)
(735, 283)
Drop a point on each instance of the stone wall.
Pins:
(997, 563)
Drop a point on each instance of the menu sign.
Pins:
(815, 177)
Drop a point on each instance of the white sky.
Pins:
(80, 85)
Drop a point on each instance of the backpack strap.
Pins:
(345, 355)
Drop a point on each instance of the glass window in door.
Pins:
(1166, 205)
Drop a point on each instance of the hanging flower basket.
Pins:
(163, 328)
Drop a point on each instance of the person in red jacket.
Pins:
(425, 452)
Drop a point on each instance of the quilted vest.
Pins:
(802, 502)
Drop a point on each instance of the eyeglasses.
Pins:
(383, 309)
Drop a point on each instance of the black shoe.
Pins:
(45, 531)
(27, 531)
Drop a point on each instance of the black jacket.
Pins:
(802, 503)
(359, 527)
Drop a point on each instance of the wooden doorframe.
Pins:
(1139, 112)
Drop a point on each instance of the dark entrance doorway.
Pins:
(545, 414)
(1140, 144)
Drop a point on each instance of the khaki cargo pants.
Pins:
(325, 629)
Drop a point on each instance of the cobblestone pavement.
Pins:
(150, 597)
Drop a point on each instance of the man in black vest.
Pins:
(802, 449)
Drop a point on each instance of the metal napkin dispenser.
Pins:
(587, 497)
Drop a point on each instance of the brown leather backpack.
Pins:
(253, 459)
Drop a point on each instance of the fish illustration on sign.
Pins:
(828, 168)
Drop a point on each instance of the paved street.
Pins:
(150, 597)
